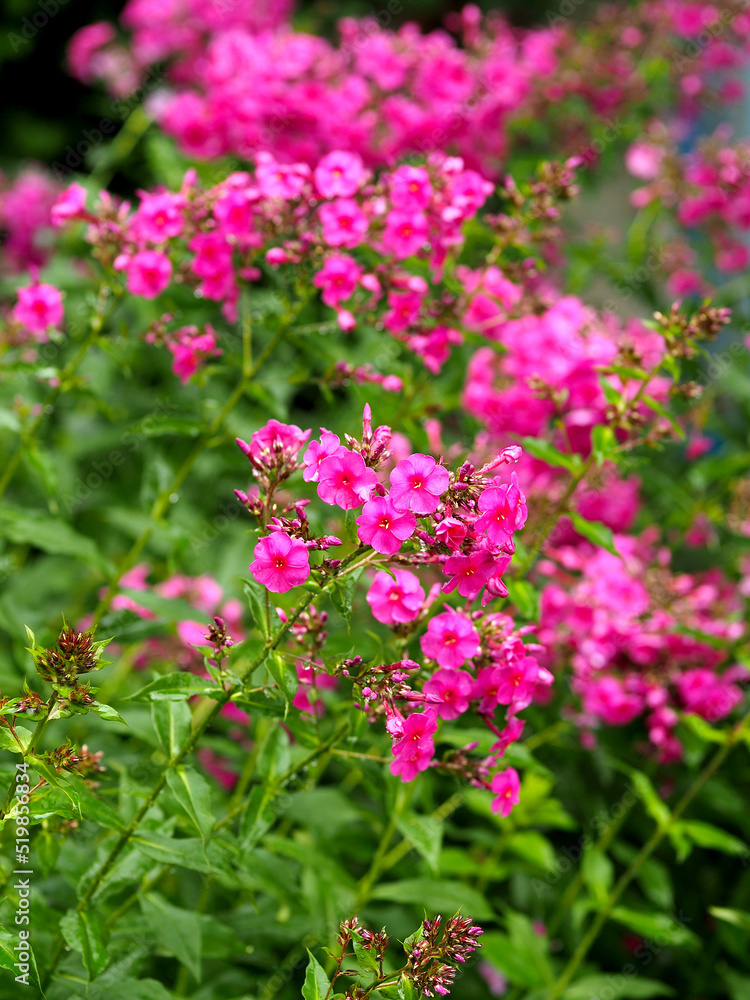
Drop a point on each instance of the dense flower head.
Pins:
(280, 562)
(415, 747)
(189, 348)
(25, 204)
(148, 272)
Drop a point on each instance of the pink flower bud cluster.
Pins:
(627, 629)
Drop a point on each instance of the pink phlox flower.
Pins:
(38, 307)
(415, 748)
(434, 347)
(148, 271)
(607, 699)
(451, 532)
(345, 480)
(344, 223)
(469, 573)
(317, 452)
(503, 512)
(189, 348)
(405, 233)
(451, 639)
(275, 443)
(213, 256)
(511, 734)
(417, 483)
(280, 180)
(516, 682)
(70, 205)
(158, 218)
(338, 278)
(707, 694)
(339, 174)
(506, 787)
(395, 601)
(404, 310)
(452, 690)
(410, 188)
(280, 562)
(383, 527)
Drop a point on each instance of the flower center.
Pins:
(279, 562)
(384, 523)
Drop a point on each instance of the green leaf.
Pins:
(84, 933)
(525, 597)
(704, 730)
(603, 443)
(618, 986)
(273, 755)
(92, 808)
(706, 835)
(177, 931)
(258, 817)
(342, 597)
(595, 532)
(657, 407)
(662, 927)
(7, 742)
(365, 956)
(256, 595)
(538, 448)
(176, 687)
(187, 852)
(426, 835)
(9, 956)
(598, 873)
(738, 918)
(285, 675)
(51, 535)
(172, 721)
(193, 793)
(437, 896)
(317, 984)
(107, 713)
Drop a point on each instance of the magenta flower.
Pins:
(417, 483)
(510, 734)
(337, 278)
(280, 562)
(344, 223)
(189, 348)
(607, 699)
(275, 443)
(416, 748)
(405, 233)
(317, 451)
(71, 203)
(339, 174)
(452, 690)
(159, 217)
(148, 272)
(213, 256)
(280, 180)
(411, 189)
(384, 527)
(516, 682)
(503, 512)
(486, 688)
(345, 480)
(469, 573)
(395, 601)
(451, 639)
(451, 532)
(506, 787)
(39, 307)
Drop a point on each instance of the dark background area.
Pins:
(44, 109)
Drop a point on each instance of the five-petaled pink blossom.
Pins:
(71, 203)
(451, 639)
(338, 278)
(344, 223)
(503, 512)
(317, 452)
(415, 749)
(39, 307)
(450, 691)
(405, 233)
(339, 174)
(280, 562)
(149, 272)
(345, 480)
(384, 527)
(417, 483)
(506, 787)
(469, 573)
(395, 601)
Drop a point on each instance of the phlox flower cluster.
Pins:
(630, 630)
(291, 215)
(458, 525)
(707, 188)
(241, 81)
(25, 204)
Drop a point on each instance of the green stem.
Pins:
(640, 859)
(33, 743)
